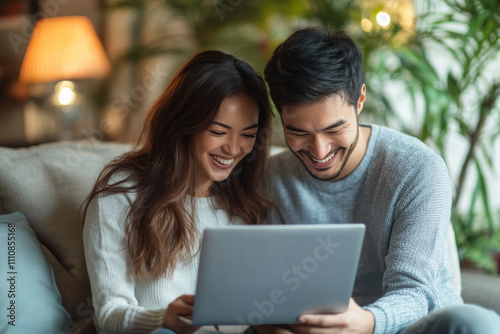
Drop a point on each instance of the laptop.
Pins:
(271, 274)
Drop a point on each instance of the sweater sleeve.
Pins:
(109, 267)
(417, 247)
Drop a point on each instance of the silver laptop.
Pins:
(271, 274)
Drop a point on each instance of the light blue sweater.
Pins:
(401, 191)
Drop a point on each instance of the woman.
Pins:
(198, 163)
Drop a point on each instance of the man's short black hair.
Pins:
(313, 64)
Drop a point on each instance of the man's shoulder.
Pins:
(400, 153)
(285, 169)
(399, 145)
(282, 162)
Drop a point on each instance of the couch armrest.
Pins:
(481, 289)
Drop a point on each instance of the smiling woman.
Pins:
(229, 139)
(198, 163)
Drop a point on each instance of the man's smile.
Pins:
(324, 163)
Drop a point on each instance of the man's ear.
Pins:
(362, 98)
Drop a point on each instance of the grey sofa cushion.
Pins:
(481, 289)
(48, 183)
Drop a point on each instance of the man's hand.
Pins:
(355, 320)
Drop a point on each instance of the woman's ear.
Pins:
(362, 98)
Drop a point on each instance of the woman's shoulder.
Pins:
(113, 199)
(121, 178)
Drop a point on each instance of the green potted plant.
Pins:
(478, 245)
(461, 101)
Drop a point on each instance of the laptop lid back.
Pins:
(270, 274)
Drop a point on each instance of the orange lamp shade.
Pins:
(64, 47)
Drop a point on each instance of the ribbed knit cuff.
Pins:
(380, 319)
(148, 321)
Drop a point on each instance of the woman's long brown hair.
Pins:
(161, 166)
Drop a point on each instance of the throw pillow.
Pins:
(29, 298)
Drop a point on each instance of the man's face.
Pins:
(324, 136)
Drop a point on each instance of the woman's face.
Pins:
(227, 140)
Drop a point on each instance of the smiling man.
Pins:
(329, 151)
(338, 171)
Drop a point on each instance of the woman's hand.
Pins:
(182, 306)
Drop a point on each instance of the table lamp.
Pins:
(61, 49)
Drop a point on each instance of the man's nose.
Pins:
(319, 147)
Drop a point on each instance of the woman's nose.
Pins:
(231, 147)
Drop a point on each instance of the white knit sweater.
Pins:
(123, 303)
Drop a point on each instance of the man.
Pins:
(339, 171)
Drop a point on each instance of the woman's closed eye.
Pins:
(217, 133)
(249, 135)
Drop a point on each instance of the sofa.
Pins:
(48, 183)
(41, 191)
